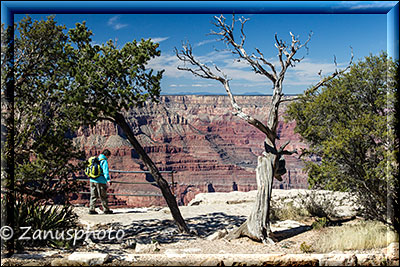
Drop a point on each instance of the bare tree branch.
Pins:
(201, 70)
(289, 99)
(283, 146)
(227, 36)
(283, 49)
(286, 56)
(258, 62)
(243, 37)
(263, 60)
(337, 72)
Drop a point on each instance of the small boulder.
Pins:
(393, 251)
(217, 235)
(147, 248)
(86, 258)
(338, 260)
(191, 250)
(368, 260)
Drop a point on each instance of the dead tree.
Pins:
(271, 162)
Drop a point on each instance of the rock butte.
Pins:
(198, 137)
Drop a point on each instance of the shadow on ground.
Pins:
(288, 233)
(165, 231)
(129, 211)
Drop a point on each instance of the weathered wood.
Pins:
(242, 230)
(161, 182)
(257, 226)
(258, 223)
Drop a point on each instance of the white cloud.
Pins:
(204, 42)
(244, 74)
(203, 85)
(158, 39)
(177, 85)
(216, 57)
(170, 64)
(304, 74)
(115, 24)
(94, 43)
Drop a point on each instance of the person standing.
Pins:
(98, 186)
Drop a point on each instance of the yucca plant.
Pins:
(40, 224)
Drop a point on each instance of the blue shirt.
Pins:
(105, 176)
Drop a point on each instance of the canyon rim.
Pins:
(200, 140)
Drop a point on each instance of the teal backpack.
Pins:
(93, 170)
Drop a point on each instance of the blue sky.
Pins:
(333, 34)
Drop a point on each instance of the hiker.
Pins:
(98, 186)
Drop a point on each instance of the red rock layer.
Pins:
(197, 137)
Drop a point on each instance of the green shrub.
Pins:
(320, 223)
(39, 219)
(305, 248)
(318, 204)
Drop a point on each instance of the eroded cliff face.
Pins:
(197, 137)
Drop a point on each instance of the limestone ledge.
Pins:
(180, 258)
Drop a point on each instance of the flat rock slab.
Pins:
(338, 260)
(172, 259)
(86, 258)
(178, 259)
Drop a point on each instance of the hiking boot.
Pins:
(93, 212)
(108, 212)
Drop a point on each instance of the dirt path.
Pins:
(154, 231)
(151, 231)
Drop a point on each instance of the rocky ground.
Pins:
(151, 231)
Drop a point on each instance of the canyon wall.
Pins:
(198, 138)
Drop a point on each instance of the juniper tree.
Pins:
(349, 125)
(107, 82)
(271, 162)
(42, 118)
(62, 82)
(35, 116)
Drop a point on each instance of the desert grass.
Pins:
(287, 212)
(360, 236)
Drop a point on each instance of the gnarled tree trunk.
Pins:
(258, 221)
(258, 224)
